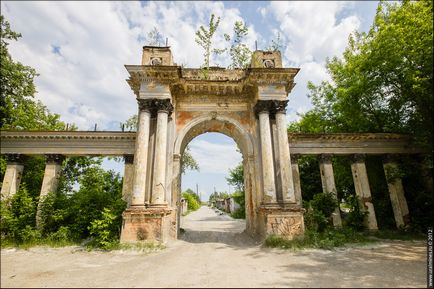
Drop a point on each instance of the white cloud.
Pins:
(215, 157)
(314, 31)
(94, 40)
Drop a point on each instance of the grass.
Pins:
(7, 243)
(143, 246)
(398, 235)
(332, 238)
(329, 239)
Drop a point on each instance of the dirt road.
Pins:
(213, 253)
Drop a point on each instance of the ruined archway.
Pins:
(176, 104)
(231, 128)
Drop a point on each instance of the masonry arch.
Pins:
(231, 128)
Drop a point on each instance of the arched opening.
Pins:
(218, 218)
(239, 135)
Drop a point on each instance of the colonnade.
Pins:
(362, 187)
(136, 168)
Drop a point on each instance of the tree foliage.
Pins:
(236, 177)
(204, 39)
(383, 83)
(239, 53)
(154, 37)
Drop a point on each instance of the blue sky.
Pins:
(80, 49)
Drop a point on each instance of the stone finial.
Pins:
(154, 55)
(128, 159)
(55, 158)
(266, 59)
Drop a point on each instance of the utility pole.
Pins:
(197, 190)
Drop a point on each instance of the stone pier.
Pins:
(396, 191)
(328, 184)
(296, 178)
(53, 170)
(363, 191)
(127, 184)
(13, 175)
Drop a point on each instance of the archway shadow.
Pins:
(233, 239)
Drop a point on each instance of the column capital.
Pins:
(325, 158)
(128, 159)
(295, 158)
(145, 104)
(55, 158)
(358, 158)
(15, 158)
(155, 105)
(163, 105)
(280, 106)
(390, 158)
(271, 106)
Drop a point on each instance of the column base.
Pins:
(142, 224)
(285, 220)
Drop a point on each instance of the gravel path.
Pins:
(213, 252)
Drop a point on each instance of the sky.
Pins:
(79, 50)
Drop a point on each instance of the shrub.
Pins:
(193, 204)
(319, 210)
(101, 229)
(239, 213)
(355, 218)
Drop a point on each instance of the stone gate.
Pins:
(176, 104)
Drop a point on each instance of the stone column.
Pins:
(151, 158)
(328, 184)
(267, 153)
(13, 174)
(158, 187)
(396, 191)
(141, 153)
(127, 184)
(363, 192)
(296, 179)
(53, 169)
(284, 157)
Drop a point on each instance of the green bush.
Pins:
(102, 230)
(319, 210)
(18, 218)
(193, 204)
(239, 213)
(356, 217)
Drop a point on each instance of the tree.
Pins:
(383, 83)
(154, 37)
(236, 177)
(204, 39)
(239, 53)
(187, 160)
(276, 44)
